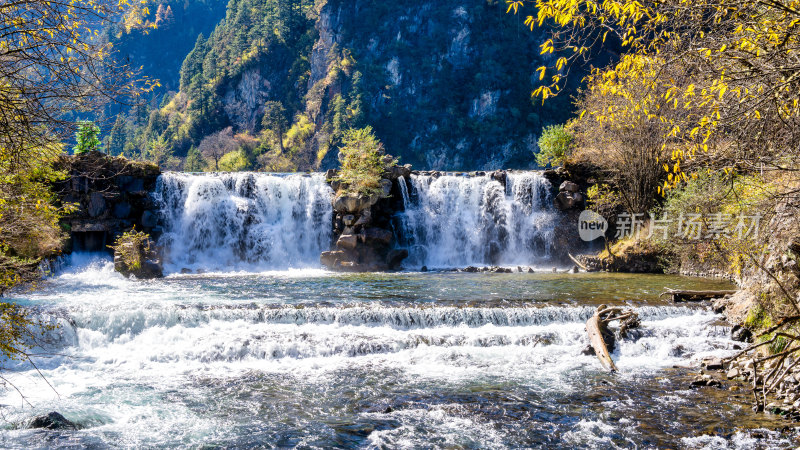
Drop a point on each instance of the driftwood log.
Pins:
(680, 296)
(578, 263)
(602, 338)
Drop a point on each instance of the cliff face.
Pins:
(445, 84)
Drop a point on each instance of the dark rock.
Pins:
(568, 186)
(349, 220)
(122, 210)
(330, 174)
(500, 176)
(353, 203)
(52, 421)
(530, 270)
(365, 218)
(678, 350)
(713, 364)
(134, 185)
(149, 219)
(186, 270)
(741, 334)
(97, 205)
(347, 241)
(423, 269)
(376, 237)
(139, 258)
(471, 269)
(565, 201)
(332, 259)
(705, 381)
(396, 257)
(386, 187)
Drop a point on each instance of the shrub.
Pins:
(132, 246)
(235, 161)
(554, 146)
(361, 162)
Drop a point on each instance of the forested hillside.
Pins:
(445, 85)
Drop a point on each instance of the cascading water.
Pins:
(305, 358)
(244, 220)
(455, 221)
(308, 358)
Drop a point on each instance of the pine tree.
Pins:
(87, 138)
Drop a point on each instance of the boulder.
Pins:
(149, 219)
(354, 203)
(386, 188)
(376, 237)
(564, 201)
(705, 381)
(347, 241)
(500, 176)
(568, 186)
(365, 219)
(52, 421)
(96, 205)
(396, 257)
(713, 364)
(741, 334)
(138, 257)
(122, 210)
(349, 220)
(332, 259)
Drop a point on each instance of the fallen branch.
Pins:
(578, 263)
(601, 337)
(679, 295)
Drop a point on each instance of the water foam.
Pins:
(456, 221)
(244, 221)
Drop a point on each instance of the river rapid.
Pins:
(311, 359)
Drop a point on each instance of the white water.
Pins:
(191, 360)
(456, 221)
(244, 221)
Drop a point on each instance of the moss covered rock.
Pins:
(135, 254)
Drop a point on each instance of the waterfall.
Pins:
(455, 221)
(244, 220)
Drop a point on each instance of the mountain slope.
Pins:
(445, 84)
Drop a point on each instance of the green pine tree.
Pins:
(87, 138)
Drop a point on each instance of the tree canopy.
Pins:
(720, 75)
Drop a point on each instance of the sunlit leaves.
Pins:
(735, 83)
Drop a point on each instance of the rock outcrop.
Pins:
(135, 254)
(52, 421)
(364, 240)
(112, 195)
